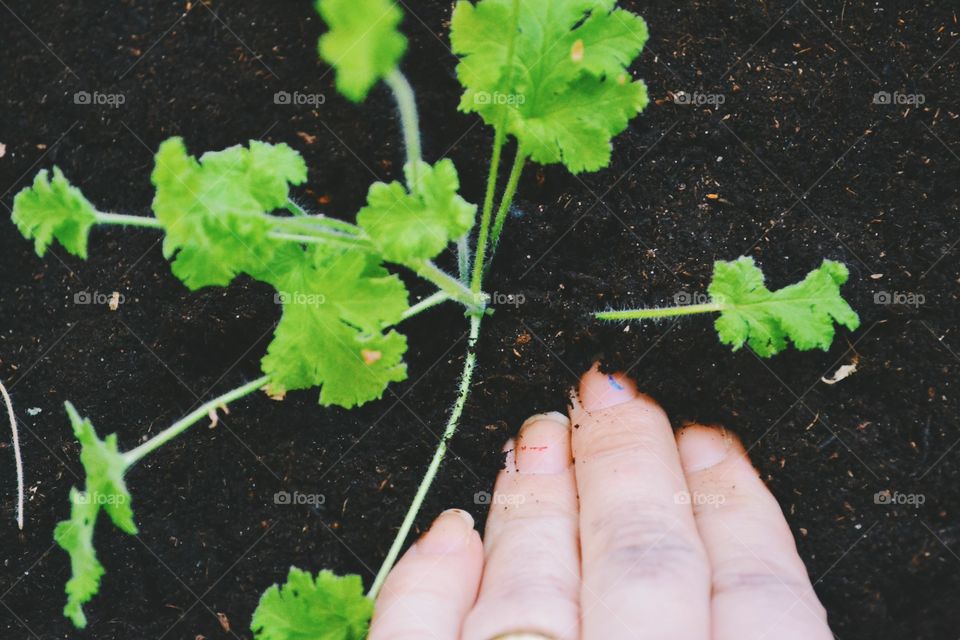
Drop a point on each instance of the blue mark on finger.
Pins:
(613, 383)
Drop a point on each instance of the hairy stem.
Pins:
(511, 189)
(463, 257)
(428, 302)
(306, 218)
(450, 285)
(409, 120)
(665, 312)
(315, 223)
(135, 455)
(500, 133)
(18, 459)
(318, 236)
(130, 221)
(485, 215)
(466, 378)
(294, 208)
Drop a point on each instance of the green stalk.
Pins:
(427, 303)
(485, 215)
(304, 218)
(294, 208)
(317, 236)
(500, 133)
(316, 223)
(409, 120)
(130, 221)
(135, 455)
(463, 257)
(511, 189)
(666, 312)
(466, 378)
(449, 285)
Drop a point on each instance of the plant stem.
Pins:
(319, 222)
(131, 221)
(450, 285)
(463, 257)
(135, 455)
(409, 120)
(316, 236)
(294, 208)
(500, 133)
(666, 312)
(453, 421)
(511, 189)
(18, 459)
(428, 302)
(487, 211)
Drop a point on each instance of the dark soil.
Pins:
(803, 164)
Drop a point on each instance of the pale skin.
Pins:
(605, 525)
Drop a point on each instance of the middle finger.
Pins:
(645, 570)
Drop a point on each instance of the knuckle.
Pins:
(647, 543)
(765, 582)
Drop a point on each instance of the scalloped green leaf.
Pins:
(331, 335)
(415, 223)
(325, 607)
(566, 90)
(363, 43)
(803, 313)
(54, 210)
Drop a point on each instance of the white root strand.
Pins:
(16, 453)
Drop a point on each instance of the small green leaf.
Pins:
(213, 210)
(804, 312)
(363, 43)
(104, 466)
(328, 607)
(105, 489)
(416, 224)
(335, 305)
(54, 210)
(75, 536)
(567, 90)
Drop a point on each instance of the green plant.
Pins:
(553, 77)
(752, 314)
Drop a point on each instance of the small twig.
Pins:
(16, 453)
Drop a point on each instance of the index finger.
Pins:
(644, 566)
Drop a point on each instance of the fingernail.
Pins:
(603, 390)
(449, 533)
(702, 447)
(543, 446)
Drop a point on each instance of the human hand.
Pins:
(646, 535)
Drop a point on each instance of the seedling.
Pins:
(556, 81)
(752, 314)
